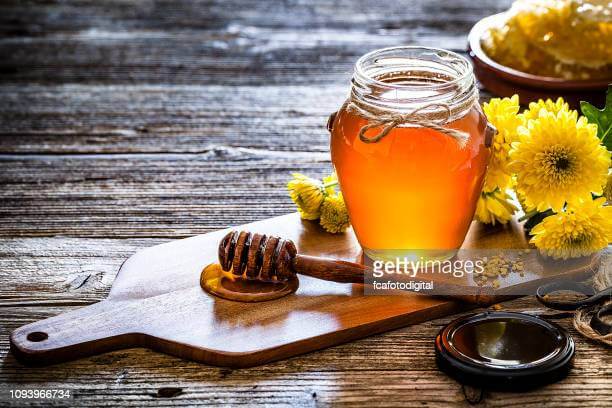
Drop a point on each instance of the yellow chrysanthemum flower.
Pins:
(558, 159)
(503, 114)
(334, 215)
(584, 228)
(495, 207)
(548, 105)
(307, 194)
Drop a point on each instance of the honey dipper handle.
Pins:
(329, 269)
(348, 272)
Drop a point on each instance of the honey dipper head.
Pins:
(257, 256)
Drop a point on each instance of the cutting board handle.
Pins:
(94, 329)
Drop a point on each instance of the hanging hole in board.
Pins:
(37, 336)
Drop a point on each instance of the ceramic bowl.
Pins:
(505, 81)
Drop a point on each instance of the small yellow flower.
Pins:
(495, 207)
(334, 216)
(558, 159)
(307, 194)
(580, 230)
(503, 114)
(548, 105)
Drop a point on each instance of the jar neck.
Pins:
(405, 79)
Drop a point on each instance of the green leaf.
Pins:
(536, 219)
(601, 117)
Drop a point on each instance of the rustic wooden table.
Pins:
(124, 124)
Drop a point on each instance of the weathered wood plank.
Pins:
(166, 118)
(211, 43)
(146, 195)
(187, 60)
(404, 373)
(207, 164)
(394, 369)
(125, 119)
(61, 271)
(37, 17)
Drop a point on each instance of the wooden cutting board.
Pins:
(156, 302)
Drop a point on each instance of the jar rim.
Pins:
(403, 79)
(467, 70)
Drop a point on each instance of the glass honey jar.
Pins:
(409, 148)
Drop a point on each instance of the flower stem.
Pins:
(330, 184)
(528, 215)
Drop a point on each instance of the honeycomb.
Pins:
(570, 39)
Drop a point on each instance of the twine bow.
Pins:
(432, 120)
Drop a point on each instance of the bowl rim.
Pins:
(479, 57)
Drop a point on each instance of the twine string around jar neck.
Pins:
(432, 115)
(412, 87)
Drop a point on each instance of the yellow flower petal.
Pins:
(307, 194)
(503, 114)
(494, 207)
(334, 215)
(548, 105)
(557, 159)
(582, 229)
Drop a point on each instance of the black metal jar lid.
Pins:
(504, 350)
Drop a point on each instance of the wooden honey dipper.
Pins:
(272, 259)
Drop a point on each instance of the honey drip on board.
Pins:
(226, 285)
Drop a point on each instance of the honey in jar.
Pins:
(413, 191)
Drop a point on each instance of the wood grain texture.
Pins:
(146, 195)
(382, 369)
(394, 369)
(157, 292)
(165, 118)
(232, 42)
(109, 113)
(75, 119)
(61, 271)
